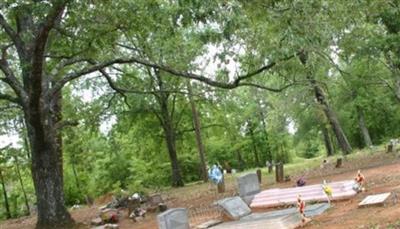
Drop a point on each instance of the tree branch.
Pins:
(189, 75)
(10, 78)
(39, 46)
(203, 127)
(16, 39)
(65, 123)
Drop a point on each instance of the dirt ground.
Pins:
(381, 170)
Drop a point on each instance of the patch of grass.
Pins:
(394, 225)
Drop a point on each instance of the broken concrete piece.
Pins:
(96, 222)
(109, 215)
(111, 226)
(234, 207)
(209, 224)
(374, 199)
(162, 207)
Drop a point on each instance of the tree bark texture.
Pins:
(363, 127)
(22, 185)
(166, 119)
(6, 203)
(253, 140)
(327, 140)
(328, 111)
(332, 118)
(197, 128)
(47, 164)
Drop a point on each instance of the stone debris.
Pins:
(109, 215)
(208, 224)
(96, 221)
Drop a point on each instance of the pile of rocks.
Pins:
(136, 205)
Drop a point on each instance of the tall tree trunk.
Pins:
(333, 120)
(170, 140)
(327, 140)
(43, 117)
(268, 148)
(22, 185)
(363, 127)
(253, 140)
(241, 162)
(6, 204)
(78, 186)
(262, 118)
(197, 128)
(25, 139)
(329, 113)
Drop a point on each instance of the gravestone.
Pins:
(339, 162)
(234, 207)
(259, 175)
(221, 185)
(155, 199)
(279, 172)
(390, 148)
(248, 186)
(175, 218)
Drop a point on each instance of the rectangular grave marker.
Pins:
(234, 207)
(374, 199)
(248, 184)
(175, 218)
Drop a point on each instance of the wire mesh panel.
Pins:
(204, 214)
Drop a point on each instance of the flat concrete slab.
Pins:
(310, 211)
(287, 222)
(281, 197)
(208, 224)
(374, 199)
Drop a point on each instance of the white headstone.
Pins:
(374, 199)
(175, 218)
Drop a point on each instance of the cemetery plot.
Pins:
(371, 200)
(280, 197)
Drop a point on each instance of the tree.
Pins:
(47, 44)
(197, 129)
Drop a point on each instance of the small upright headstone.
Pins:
(221, 186)
(248, 185)
(234, 207)
(175, 218)
(339, 162)
(259, 175)
(390, 148)
(279, 172)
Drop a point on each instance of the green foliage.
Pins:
(353, 56)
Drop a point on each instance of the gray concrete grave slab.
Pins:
(234, 207)
(310, 211)
(374, 199)
(175, 218)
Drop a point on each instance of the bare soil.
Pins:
(382, 172)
